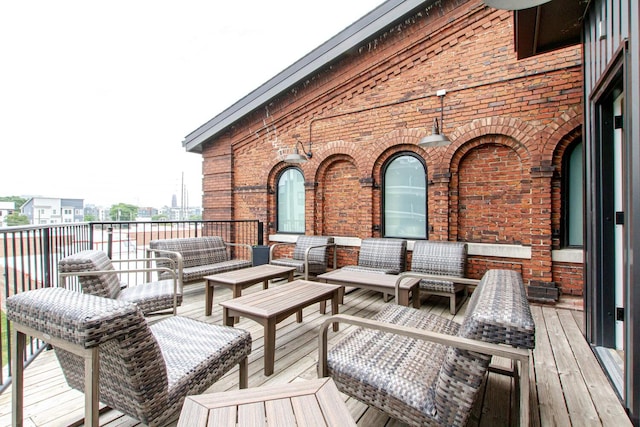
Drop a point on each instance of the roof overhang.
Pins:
(547, 27)
(366, 28)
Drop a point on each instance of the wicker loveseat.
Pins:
(197, 257)
(417, 366)
(108, 350)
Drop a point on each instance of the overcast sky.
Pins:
(96, 97)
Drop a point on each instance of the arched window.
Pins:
(404, 197)
(572, 200)
(291, 201)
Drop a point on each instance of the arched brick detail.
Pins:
(340, 203)
(563, 125)
(451, 216)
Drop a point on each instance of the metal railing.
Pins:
(29, 257)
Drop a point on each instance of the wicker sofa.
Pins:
(197, 257)
(424, 369)
(107, 349)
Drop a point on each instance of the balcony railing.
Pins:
(29, 257)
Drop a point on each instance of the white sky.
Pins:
(96, 97)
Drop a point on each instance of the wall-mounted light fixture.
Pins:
(296, 157)
(514, 4)
(437, 138)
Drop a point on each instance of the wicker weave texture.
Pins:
(439, 257)
(150, 297)
(201, 256)
(145, 372)
(317, 256)
(423, 383)
(381, 255)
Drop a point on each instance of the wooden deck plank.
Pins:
(551, 404)
(608, 407)
(576, 394)
(296, 360)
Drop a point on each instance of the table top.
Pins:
(366, 278)
(314, 402)
(269, 302)
(250, 274)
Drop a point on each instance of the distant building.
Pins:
(6, 209)
(146, 214)
(49, 210)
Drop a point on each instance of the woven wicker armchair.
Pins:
(441, 258)
(309, 255)
(381, 255)
(97, 276)
(107, 350)
(424, 369)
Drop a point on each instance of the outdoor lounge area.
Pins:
(567, 386)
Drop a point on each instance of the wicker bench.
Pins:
(197, 257)
(424, 369)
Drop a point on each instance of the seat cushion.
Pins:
(199, 271)
(150, 297)
(389, 371)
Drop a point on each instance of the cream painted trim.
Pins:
(575, 256)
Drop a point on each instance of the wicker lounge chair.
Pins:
(441, 258)
(97, 276)
(107, 349)
(309, 255)
(424, 369)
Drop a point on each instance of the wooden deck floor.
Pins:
(568, 387)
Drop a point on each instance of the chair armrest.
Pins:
(454, 279)
(179, 260)
(245, 245)
(306, 254)
(272, 247)
(516, 354)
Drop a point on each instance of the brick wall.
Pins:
(498, 182)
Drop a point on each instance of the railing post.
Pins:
(110, 242)
(46, 252)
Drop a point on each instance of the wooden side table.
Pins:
(303, 403)
(237, 280)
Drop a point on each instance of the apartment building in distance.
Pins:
(51, 210)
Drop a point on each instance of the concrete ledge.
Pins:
(575, 256)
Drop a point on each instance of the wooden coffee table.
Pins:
(237, 280)
(301, 403)
(271, 306)
(385, 283)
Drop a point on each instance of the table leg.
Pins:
(323, 307)
(335, 303)
(415, 296)
(403, 297)
(299, 316)
(228, 320)
(269, 345)
(208, 298)
(237, 292)
(265, 284)
(290, 276)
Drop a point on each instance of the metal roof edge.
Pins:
(364, 28)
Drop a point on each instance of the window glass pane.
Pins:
(291, 201)
(575, 206)
(405, 204)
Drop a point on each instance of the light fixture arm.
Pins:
(309, 154)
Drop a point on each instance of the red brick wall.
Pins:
(496, 183)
